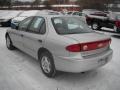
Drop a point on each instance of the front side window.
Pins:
(69, 13)
(76, 13)
(24, 24)
(70, 25)
(38, 25)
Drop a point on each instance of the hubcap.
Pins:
(46, 65)
(95, 26)
(8, 42)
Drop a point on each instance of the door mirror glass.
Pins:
(14, 26)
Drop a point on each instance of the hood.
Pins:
(88, 37)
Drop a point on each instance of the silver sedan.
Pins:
(60, 43)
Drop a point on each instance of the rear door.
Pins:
(33, 39)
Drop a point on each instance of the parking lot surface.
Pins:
(19, 71)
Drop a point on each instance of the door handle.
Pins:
(40, 41)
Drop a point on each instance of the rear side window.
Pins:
(38, 25)
(24, 24)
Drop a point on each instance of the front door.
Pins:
(18, 34)
(16, 38)
(34, 38)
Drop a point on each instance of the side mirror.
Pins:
(14, 26)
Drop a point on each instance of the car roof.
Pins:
(52, 16)
(90, 10)
(38, 12)
(94, 11)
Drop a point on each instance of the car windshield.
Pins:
(70, 25)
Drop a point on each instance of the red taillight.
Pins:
(73, 48)
(95, 45)
(88, 46)
(117, 23)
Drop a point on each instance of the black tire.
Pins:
(52, 72)
(9, 43)
(95, 26)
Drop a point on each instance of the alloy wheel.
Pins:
(46, 65)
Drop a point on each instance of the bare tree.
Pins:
(47, 4)
(37, 2)
(94, 4)
(5, 2)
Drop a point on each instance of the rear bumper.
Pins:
(76, 65)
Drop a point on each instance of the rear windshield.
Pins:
(70, 25)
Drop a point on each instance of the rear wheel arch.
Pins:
(95, 21)
(42, 50)
(46, 52)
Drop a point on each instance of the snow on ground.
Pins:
(108, 31)
(19, 71)
(8, 14)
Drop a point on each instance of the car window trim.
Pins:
(28, 24)
(35, 32)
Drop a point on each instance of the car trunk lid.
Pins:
(91, 43)
(88, 37)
